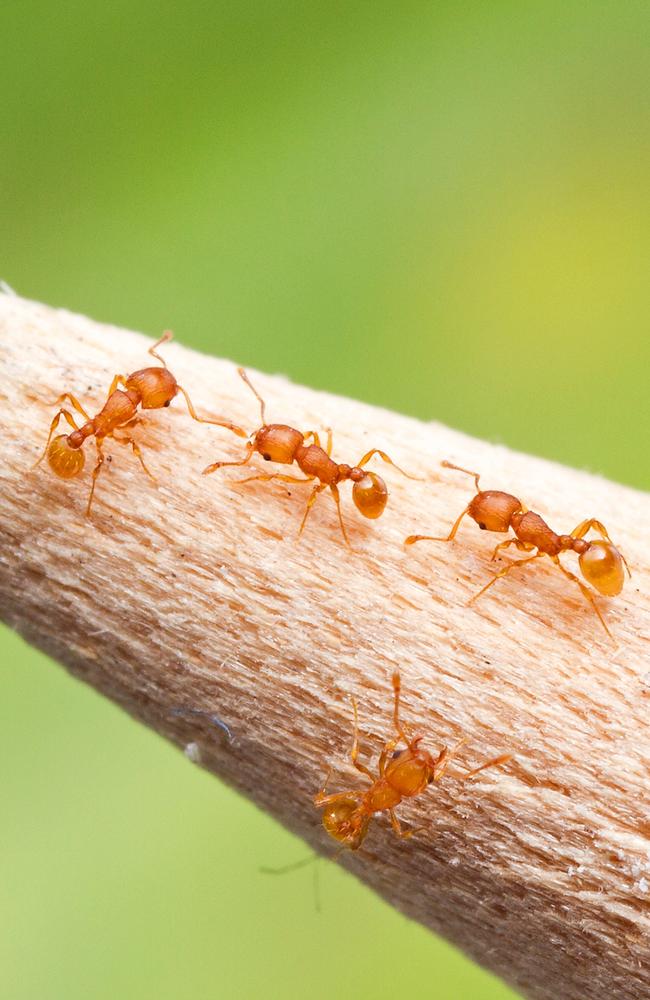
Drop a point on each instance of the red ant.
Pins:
(286, 445)
(600, 561)
(149, 388)
(401, 774)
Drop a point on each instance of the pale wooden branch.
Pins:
(197, 595)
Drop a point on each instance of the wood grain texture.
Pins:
(196, 594)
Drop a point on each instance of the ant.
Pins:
(600, 561)
(401, 774)
(149, 388)
(286, 445)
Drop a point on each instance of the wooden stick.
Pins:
(196, 596)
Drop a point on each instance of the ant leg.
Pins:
(327, 800)
(337, 500)
(586, 593)
(74, 402)
(314, 436)
(587, 525)
(321, 799)
(494, 762)
(222, 422)
(431, 538)
(244, 377)
(592, 524)
(166, 337)
(53, 427)
(386, 754)
(382, 454)
(354, 753)
(325, 783)
(316, 439)
(138, 454)
(476, 476)
(250, 448)
(96, 471)
(399, 831)
(521, 546)
(504, 572)
(119, 379)
(310, 503)
(265, 477)
(445, 758)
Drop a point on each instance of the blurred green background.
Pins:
(439, 207)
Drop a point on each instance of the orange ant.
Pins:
(600, 561)
(149, 388)
(286, 445)
(401, 774)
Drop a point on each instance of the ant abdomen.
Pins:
(344, 823)
(492, 510)
(370, 495)
(602, 567)
(65, 461)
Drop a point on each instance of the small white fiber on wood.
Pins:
(195, 596)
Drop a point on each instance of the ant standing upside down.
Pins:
(286, 445)
(149, 388)
(401, 774)
(600, 561)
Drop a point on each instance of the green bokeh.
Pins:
(438, 207)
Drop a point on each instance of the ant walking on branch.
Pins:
(401, 774)
(600, 561)
(149, 389)
(285, 445)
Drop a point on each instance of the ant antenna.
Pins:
(244, 377)
(475, 475)
(167, 336)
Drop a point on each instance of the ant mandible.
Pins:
(286, 445)
(600, 561)
(401, 774)
(149, 388)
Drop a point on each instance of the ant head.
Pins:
(602, 566)
(156, 387)
(370, 494)
(493, 510)
(344, 823)
(64, 460)
(278, 443)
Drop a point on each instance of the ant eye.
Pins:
(167, 403)
(396, 753)
(267, 458)
(482, 526)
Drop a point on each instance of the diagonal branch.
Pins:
(195, 597)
